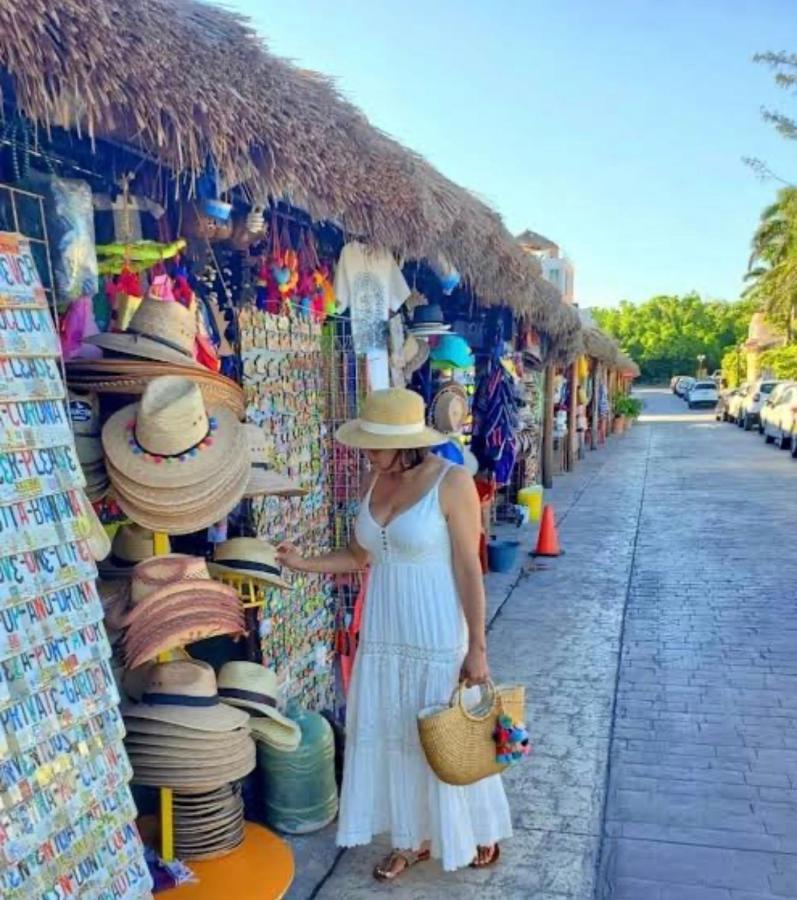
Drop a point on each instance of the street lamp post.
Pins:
(701, 357)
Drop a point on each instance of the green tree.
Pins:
(784, 66)
(666, 334)
(772, 270)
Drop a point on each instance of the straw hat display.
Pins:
(391, 419)
(248, 557)
(181, 735)
(263, 479)
(174, 602)
(449, 408)
(130, 377)
(84, 413)
(163, 330)
(174, 465)
(208, 824)
(130, 545)
(414, 354)
(253, 688)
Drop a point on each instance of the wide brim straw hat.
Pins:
(130, 545)
(189, 775)
(130, 377)
(392, 419)
(161, 330)
(415, 354)
(250, 558)
(449, 408)
(170, 440)
(184, 692)
(254, 688)
(168, 734)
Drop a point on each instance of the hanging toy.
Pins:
(125, 295)
(511, 741)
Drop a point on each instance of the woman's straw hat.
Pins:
(253, 687)
(250, 558)
(163, 330)
(391, 419)
(263, 479)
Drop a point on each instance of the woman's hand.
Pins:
(288, 555)
(475, 669)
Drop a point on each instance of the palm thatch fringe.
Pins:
(190, 83)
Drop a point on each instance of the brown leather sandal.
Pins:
(386, 870)
(495, 855)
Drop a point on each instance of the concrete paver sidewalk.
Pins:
(664, 770)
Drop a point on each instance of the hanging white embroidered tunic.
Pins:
(412, 643)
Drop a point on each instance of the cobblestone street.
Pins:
(673, 774)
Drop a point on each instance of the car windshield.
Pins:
(767, 386)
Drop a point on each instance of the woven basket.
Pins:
(458, 742)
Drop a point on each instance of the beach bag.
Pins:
(460, 743)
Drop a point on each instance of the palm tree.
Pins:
(772, 269)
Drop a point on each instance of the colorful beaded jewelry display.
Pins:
(188, 453)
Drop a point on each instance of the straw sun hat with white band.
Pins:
(392, 419)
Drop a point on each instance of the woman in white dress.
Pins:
(423, 630)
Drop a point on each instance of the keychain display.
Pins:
(66, 811)
(283, 378)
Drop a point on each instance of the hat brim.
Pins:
(273, 717)
(220, 568)
(352, 434)
(141, 348)
(220, 717)
(176, 596)
(228, 446)
(430, 330)
(180, 632)
(265, 482)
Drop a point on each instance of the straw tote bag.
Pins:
(458, 742)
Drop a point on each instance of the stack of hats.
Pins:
(263, 479)
(254, 688)
(174, 465)
(427, 321)
(131, 544)
(208, 824)
(84, 411)
(247, 557)
(174, 602)
(181, 735)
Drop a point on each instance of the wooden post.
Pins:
(596, 371)
(572, 434)
(547, 427)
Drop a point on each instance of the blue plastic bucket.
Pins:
(502, 555)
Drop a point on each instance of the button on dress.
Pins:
(412, 643)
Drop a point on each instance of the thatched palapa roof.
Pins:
(191, 84)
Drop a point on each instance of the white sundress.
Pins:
(412, 643)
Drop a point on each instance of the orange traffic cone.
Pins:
(548, 540)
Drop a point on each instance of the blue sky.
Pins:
(615, 128)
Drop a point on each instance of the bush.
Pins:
(781, 362)
(627, 406)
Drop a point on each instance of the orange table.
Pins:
(260, 869)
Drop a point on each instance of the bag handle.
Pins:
(487, 689)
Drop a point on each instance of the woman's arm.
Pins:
(338, 562)
(460, 504)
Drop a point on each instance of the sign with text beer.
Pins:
(66, 812)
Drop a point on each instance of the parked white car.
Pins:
(735, 402)
(702, 393)
(756, 397)
(777, 414)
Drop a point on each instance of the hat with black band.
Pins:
(250, 558)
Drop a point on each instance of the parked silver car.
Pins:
(777, 414)
(756, 397)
